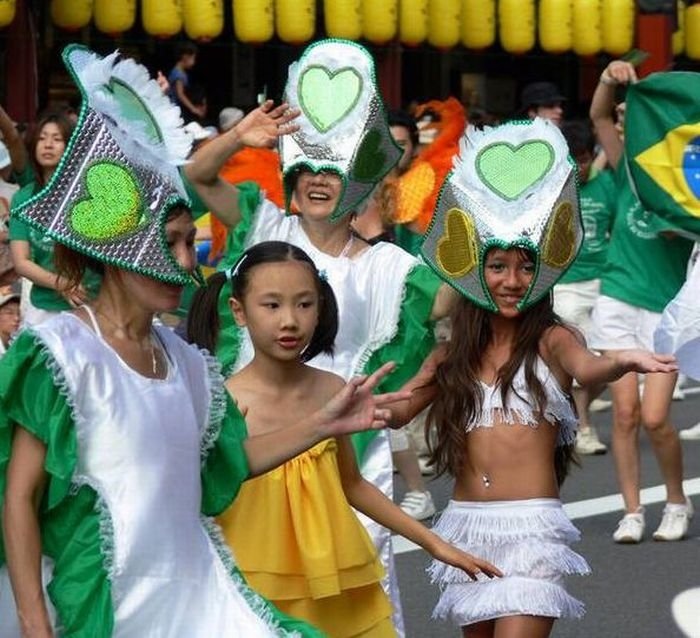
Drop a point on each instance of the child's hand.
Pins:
(644, 361)
(472, 565)
(262, 126)
(355, 408)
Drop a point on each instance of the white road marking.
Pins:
(685, 612)
(589, 507)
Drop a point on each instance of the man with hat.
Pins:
(543, 99)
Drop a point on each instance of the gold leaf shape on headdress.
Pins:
(456, 251)
(559, 246)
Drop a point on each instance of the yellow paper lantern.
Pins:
(161, 18)
(555, 25)
(296, 20)
(8, 8)
(692, 32)
(516, 19)
(478, 23)
(586, 26)
(114, 16)
(253, 20)
(617, 26)
(444, 23)
(71, 14)
(413, 22)
(379, 20)
(678, 37)
(343, 18)
(203, 19)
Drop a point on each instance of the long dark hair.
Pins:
(63, 124)
(460, 394)
(203, 319)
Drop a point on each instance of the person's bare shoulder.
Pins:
(326, 384)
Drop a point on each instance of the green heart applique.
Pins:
(133, 108)
(510, 170)
(326, 96)
(456, 251)
(370, 159)
(113, 206)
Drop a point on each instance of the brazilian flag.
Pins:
(662, 146)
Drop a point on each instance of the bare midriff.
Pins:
(508, 462)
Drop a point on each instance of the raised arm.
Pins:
(588, 369)
(603, 106)
(13, 141)
(26, 480)
(259, 129)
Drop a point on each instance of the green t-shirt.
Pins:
(643, 268)
(42, 255)
(597, 211)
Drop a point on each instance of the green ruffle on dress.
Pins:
(75, 525)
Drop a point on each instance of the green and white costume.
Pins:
(135, 465)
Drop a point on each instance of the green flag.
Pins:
(662, 146)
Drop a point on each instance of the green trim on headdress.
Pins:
(512, 186)
(343, 122)
(110, 194)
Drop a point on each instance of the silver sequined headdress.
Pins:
(511, 186)
(118, 177)
(343, 122)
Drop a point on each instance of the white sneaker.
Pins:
(599, 405)
(426, 468)
(690, 434)
(675, 521)
(678, 394)
(587, 442)
(418, 505)
(631, 528)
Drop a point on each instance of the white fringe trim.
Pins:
(467, 604)
(519, 411)
(259, 606)
(217, 406)
(528, 541)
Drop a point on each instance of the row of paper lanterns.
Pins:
(586, 27)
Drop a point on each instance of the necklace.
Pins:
(120, 333)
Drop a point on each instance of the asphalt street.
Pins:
(631, 588)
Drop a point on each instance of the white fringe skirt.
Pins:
(528, 541)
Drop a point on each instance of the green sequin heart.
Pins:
(113, 206)
(326, 96)
(370, 158)
(510, 170)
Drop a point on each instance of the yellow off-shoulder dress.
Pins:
(299, 544)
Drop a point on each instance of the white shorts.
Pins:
(528, 541)
(620, 326)
(574, 303)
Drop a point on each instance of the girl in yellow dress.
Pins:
(293, 532)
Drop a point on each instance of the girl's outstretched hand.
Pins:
(644, 361)
(472, 565)
(355, 408)
(262, 126)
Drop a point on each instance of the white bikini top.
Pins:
(559, 410)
